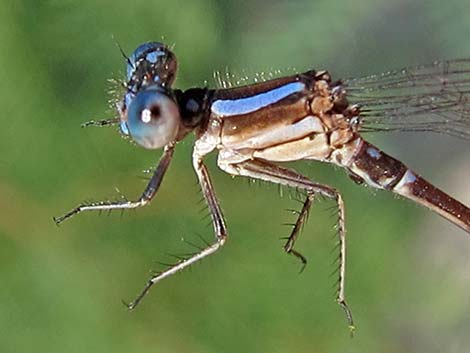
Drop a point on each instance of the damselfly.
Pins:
(303, 116)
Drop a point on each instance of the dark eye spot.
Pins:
(155, 111)
(150, 114)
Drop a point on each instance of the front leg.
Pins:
(146, 197)
(263, 170)
(102, 122)
(218, 222)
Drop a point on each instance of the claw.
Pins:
(129, 306)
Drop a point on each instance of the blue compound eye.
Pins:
(153, 118)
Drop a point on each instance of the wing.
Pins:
(433, 98)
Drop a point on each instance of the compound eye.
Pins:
(153, 118)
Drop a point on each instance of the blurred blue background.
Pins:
(408, 275)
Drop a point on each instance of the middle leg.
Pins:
(301, 219)
(263, 170)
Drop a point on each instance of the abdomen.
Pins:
(382, 171)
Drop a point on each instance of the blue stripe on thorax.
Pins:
(230, 107)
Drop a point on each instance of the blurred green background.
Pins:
(408, 276)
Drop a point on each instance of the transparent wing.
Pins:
(434, 97)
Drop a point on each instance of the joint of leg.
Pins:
(310, 195)
(288, 247)
(221, 238)
(142, 202)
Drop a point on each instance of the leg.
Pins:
(266, 171)
(146, 197)
(302, 217)
(218, 222)
(100, 123)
